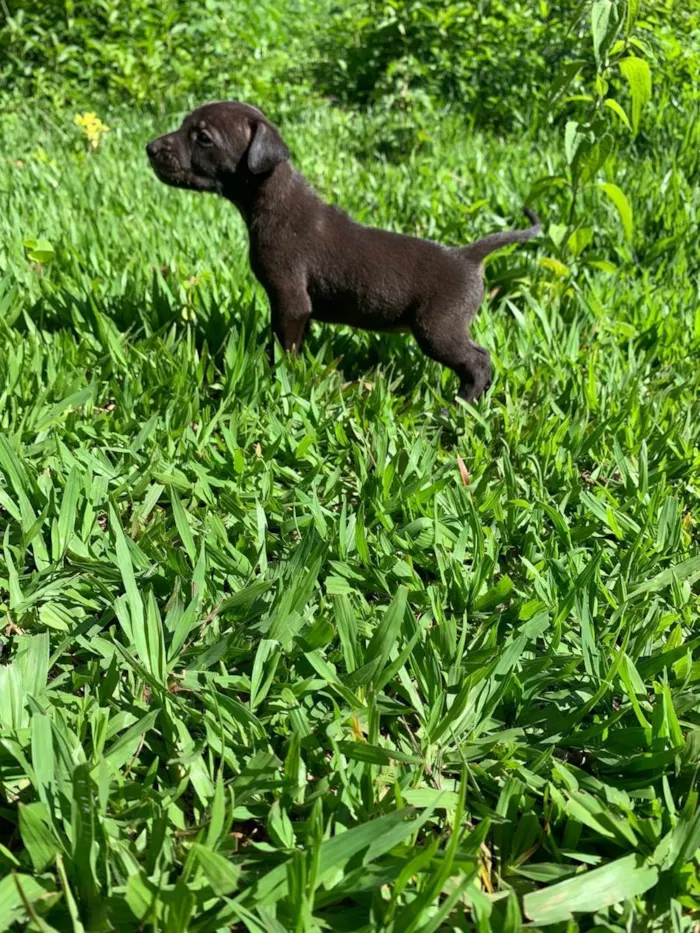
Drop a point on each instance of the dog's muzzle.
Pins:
(163, 160)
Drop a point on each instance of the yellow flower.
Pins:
(93, 127)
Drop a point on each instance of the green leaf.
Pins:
(373, 837)
(156, 661)
(217, 815)
(684, 838)
(221, 873)
(32, 663)
(11, 904)
(591, 156)
(591, 891)
(280, 827)
(624, 209)
(632, 14)
(127, 743)
(144, 627)
(267, 658)
(36, 835)
(431, 797)
(71, 402)
(136, 614)
(638, 75)
(83, 825)
(141, 896)
(684, 570)
(564, 78)
(581, 238)
(603, 264)
(572, 140)
(600, 19)
(69, 897)
(384, 638)
(43, 758)
(347, 631)
(494, 597)
(375, 754)
(40, 250)
(544, 184)
(618, 111)
(183, 526)
(12, 697)
(66, 518)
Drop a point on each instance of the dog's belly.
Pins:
(340, 309)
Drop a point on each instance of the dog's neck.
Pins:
(256, 198)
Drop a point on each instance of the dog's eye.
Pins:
(203, 138)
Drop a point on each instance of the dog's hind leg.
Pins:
(444, 337)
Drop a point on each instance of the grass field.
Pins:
(295, 650)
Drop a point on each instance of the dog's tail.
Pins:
(477, 252)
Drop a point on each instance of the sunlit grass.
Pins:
(295, 650)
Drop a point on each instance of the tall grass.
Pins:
(293, 649)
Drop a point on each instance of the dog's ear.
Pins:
(266, 150)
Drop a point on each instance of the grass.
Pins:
(294, 650)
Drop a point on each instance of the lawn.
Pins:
(296, 649)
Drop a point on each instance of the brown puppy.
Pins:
(316, 262)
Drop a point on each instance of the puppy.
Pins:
(316, 262)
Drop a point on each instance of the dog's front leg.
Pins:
(290, 312)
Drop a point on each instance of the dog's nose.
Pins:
(152, 148)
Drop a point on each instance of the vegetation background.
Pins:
(293, 650)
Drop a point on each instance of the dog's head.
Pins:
(217, 148)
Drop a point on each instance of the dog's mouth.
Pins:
(175, 179)
(171, 173)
